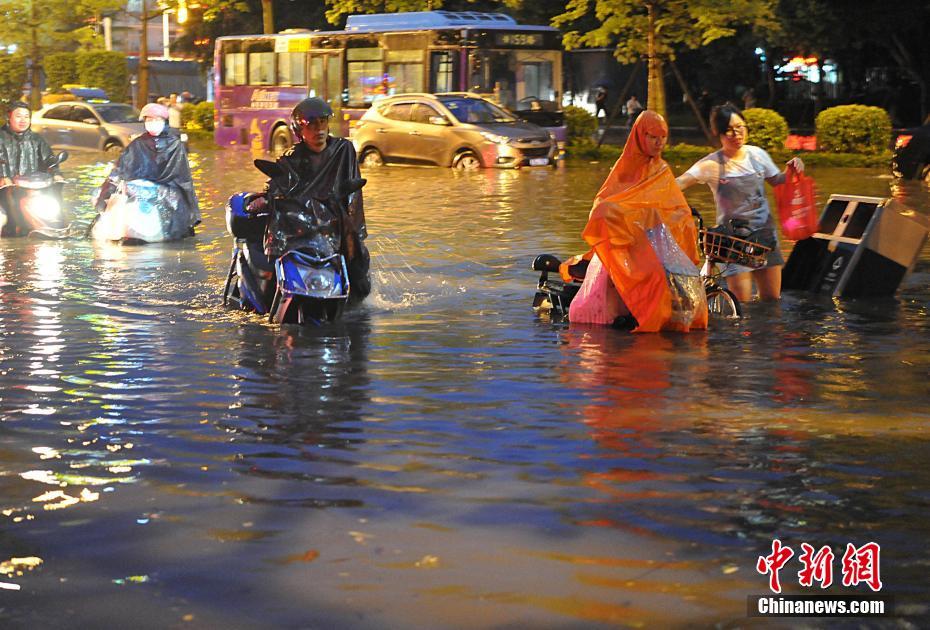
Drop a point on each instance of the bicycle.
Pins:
(720, 244)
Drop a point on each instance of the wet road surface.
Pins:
(443, 457)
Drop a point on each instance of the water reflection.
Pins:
(299, 400)
(442, 451)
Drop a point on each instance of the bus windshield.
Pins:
(475, 110)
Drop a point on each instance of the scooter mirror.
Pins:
(269, 168)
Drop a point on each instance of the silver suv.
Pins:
(457, 129)
(80, 125)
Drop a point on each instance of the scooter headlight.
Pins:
(44, 207)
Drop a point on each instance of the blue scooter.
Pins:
(305, 280)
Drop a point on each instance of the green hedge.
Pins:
(197, 117)
(60, 69)
(853, 129)
(107, 70)
(12, 77)
(767, 128)
(682, 156)
(581, 124)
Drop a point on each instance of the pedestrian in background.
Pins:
(174, 112)
(633, 109)
(600, 101)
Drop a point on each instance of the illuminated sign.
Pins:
(518, 39)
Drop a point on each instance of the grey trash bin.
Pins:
(864, 246)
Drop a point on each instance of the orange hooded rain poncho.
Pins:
(638, 196)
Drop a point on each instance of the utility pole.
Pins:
(143, 87)
(35, 94)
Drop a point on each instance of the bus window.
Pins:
(365, 75)
(537, 81)
(292, 68)
(261, 68)
(405, 71)
(234, 69)
(317, 77)
(442, 71)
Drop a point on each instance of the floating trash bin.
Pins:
(864, 246)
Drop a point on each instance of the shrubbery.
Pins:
(60, 69)
(581, 124)
(197, 117)
(853, 129)
(107, 70)
(767, 128)
(12, 77)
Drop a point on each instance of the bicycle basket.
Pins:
(721, 246)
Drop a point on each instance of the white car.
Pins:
(104, 127)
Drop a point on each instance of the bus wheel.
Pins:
(281, 141)
(372, 157)
(466, 161)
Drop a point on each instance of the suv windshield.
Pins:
(474, 110)
(118, 113)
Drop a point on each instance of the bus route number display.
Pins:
(518, 39)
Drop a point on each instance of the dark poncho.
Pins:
(22, 153)
(319, 173)
(162, 159)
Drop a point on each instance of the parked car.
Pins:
(80, 125)
(912, 153)
(458, 129)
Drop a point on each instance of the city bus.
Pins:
(259, 78)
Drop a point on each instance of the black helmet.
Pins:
(308, 109)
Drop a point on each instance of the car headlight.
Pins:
(493, 137)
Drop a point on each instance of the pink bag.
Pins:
(797, 205)
(597, 301)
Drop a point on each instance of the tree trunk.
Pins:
(267, 17)
(35, 93)
(655, 99)
(143, 87)
(697, 112)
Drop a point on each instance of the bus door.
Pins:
(326, 82)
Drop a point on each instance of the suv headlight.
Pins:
(493, 137)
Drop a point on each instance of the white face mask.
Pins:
(155, 127)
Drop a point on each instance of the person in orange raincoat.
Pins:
(642, 273)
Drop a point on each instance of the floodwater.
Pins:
(443, 457)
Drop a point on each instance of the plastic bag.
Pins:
(797, 205)
(134, 211)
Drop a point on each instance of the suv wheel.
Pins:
(466, 161)
(371, 157)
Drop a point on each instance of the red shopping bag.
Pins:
(797, 205)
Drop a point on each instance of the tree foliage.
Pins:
(680, 24)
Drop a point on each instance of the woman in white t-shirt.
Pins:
(737, 174)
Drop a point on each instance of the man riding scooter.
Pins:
(321, 162)
(22, 152)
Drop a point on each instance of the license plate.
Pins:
(539, 161)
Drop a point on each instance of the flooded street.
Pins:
(443, 457)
